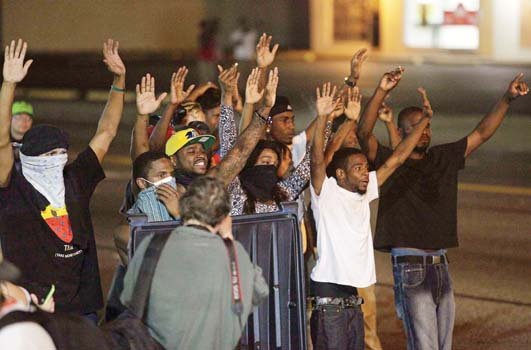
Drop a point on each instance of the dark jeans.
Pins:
(425, 303)
(338, 328)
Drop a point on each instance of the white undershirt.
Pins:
(344, 239)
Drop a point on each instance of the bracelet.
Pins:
(268, 120)
(117, 89)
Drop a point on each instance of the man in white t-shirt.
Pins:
(341, 193)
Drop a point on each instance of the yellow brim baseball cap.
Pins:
(188, 137)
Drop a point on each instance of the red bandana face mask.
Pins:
(59, 222)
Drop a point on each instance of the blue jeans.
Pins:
(333, 327)
(425, 303)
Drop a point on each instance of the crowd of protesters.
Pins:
(195, 164)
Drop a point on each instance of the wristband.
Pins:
(117, 89)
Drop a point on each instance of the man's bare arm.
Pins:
(178, 95)
(265, 55)
(325, 106)
(14, 71)
(146, 104)
(352, 111)
(112, 113)
(367, 140)
(490, 123)
(235, 160)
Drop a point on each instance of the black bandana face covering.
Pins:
(260, 181)
(183, 177)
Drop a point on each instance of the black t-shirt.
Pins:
(28, 242)
(418, 202)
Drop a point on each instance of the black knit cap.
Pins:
(43, 138)
(281, 105)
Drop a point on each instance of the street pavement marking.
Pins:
(497, 189)
(462, 186)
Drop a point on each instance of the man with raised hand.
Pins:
(417, 216)
(45, 222)
(341, 193)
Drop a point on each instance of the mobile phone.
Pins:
(49, 295)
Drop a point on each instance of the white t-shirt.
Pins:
(298, 148)
(344, 239)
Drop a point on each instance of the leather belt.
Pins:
(341, 302)
(419, 259)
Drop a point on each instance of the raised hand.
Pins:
(227, 79)
(517, 88)
(391, 79)
(112, 59)
(325, 100)
(264, 55)
(271, 88)
(252, 95)
(385, 113)
(356, 62)
(237, 101)
(353, 106)
(146, 102)
(426, 105)
(14, 67)
(177, 92)
(339, 107)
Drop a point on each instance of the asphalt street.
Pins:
(492, 267)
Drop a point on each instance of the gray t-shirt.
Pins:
(190, 299)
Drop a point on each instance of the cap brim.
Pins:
(206, 140)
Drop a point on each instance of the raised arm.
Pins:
(235, 160)
(356, 63)
(200, 90)
(14, 72)
(367, 140)
(178, 95)
(227, 124)
(352, 111)
(325, 105)
(146, 103)
(490, 123)
(404, 149)
(265, 56)
(110, 118)
(385, 114)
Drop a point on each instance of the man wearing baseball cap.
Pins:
(21, 122)
(188, 152)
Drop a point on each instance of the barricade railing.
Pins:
(273, 242)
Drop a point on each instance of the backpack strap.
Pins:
(145, 274)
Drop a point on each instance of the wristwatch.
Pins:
(349, 82)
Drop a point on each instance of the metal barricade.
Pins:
(273, 242)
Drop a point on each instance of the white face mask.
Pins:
(45, 174)
(170, 180)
